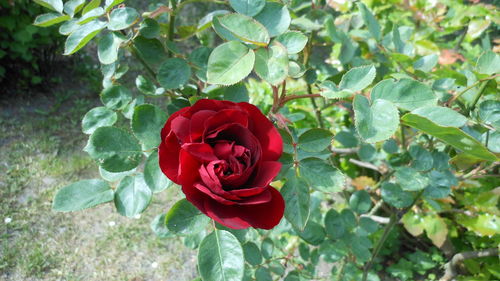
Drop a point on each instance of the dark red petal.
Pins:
(202, 151)
(209, 104)
(197, 125)
(167, 128)
(260, 198)
(188, 168)
(247, 192)
(180, 127)
(267, 171)
(226, 116)
(265, 216)
(202, 188)
(266, 133)
(168, 154)
(211, 181)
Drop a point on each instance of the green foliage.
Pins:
(386, 117)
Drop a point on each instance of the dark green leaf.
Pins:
(313, 233)
(422, 159)
(267, 248)
(263, 274)
(107, 48)
(98, 117)
(184, 218)
(296, 195)
(149, 28)
(248, 7)
(358, 78)
(360, 202)
(315, 140)
(116, 97)
(82, 195)
(174, 73)
(147, 122)
(410, 179)
(111, 3)
(395, 196)
(151, 51)
(153, 176)
(489, 112)
(114, 149)
(145, 85)
(443, 116)
(334, 224)
(275, 17)
(159, 227)
(132, 196)
(321, 175)
(220, 257)
(376, 122)
(370, 21)
(252, 253)
(294, 41)
(56, 5)
(199, 57)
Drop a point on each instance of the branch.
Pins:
(450, 267)
(345, 150)
(365, 165)
(381, 220)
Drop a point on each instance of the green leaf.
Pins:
(267, 248)
(90, 6)
(450, 135)
(116, 97)
(252, 253)
(422, 159)
(81, 36)
(376, 122)
(111, 3)
(407, 94)
(92, 14)
(132, 196)
(248, 7)
(114, 177)
(82, 195)
(146, 123)
(69, 26)
(220, 257)
(321, 175)
(482, 224)
(122, 18)
(329, 90)
(153, 176)
(151, 51)
(271, 64)
(436, 229)
(296, 195)
(50, 19)
(334, 225)
(410, 179)
(236, 93)
(98, 117)
(315, 140)
(145, 85)
(245, 28)
(358, 78)
(73, 6)
(199, 57)
(360, 202)
(442, 116)
(370, 21)
(413, 222)
(394, 195)
(149, 28)
(263, 274)
(221, 30)
(159, 228)
(313, 233)
(426, 63)
(174, 73)
(56, 5)
(294, 41)
(275, 17)
(293, 276)
(360, 247)
(229, 63)
(114, 149)
(185, 219)
(107, 48)
(489, 112)
(488, 63)
(295, 69)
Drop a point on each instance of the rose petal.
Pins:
(226, 116)
(197, 125)
(211, 180)
(168, 154)
(260, 198)
(265, 216)
(187, 168)
(265, 132)
(167, 128)
(267, 171)
(215, 105)
(202, 151)
(212, 195)
(180, 127)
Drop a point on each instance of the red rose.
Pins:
(224, 155)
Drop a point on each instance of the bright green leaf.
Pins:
(245, 28)
(376, 122)
(488, 63)
(153, 176)
(90, 6)
(98, 117)
(116, 97)
(107, 48)
(410, 179)
(321, 175)
(248, 7)
(370, 21)
(92, 14)
(315, 140)
(81, 36)
(358, 78)
(489, 112)
(50, 19)
(275, 17)
(122, 18)
(229, 63)
(114, 177)
(442, 116)
(56, 5)
(145, 85)
(132, 196)
(271, 64)
(185, 219)
(407, 94)
(73, 6)
(394, 195)
(294, 41)
(426, 63)
(360, 202)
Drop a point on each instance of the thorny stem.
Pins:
(477, 97)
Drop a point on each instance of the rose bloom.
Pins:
(224, 155)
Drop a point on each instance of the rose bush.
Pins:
(224, 155)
